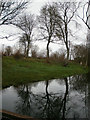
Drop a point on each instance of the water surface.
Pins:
(54, 99)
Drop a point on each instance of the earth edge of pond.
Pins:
(23, 71)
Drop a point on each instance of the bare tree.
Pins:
(47, 24)
(23, 43)
(66, 12)
(85, 16)
(86, 20)
(26, 23)
(9, 9)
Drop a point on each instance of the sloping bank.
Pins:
(23, 71)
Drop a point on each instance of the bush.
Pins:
(59, 58)
(18, 55)
(8, 51)
(42, 54)
(34, 53)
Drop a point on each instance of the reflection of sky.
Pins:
(53, 87)
(75, 104)
(9, 98)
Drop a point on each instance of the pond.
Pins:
(54, 99)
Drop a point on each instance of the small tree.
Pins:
(26, 23)
(80, 54)
(34, 51)
(23, 43)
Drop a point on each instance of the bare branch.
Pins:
(86, 22)
(86, 12)
(73, 13)
(9, 10)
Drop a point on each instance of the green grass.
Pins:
(22, 71)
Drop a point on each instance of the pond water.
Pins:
(53, 99)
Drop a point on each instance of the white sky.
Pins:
(34, 8)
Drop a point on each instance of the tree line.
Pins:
(53, 23)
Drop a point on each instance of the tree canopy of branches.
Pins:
(86, 20)
(9, 9)
(47, 24)
(26, 23)
(66, 12)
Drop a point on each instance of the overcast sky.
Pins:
(34, 8)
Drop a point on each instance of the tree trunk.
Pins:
(48, 49)
(88, 48)
(25, 50)
(65, 98)
(67, 53)
(27, 53)
(28, 46)
(66, 42)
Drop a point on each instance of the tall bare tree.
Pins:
(85, 17)
(26, 23)
(66, 12)
(9, 9)
(86, 20)
(47, 24)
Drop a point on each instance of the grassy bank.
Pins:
(22, 71)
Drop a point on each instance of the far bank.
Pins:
(22, 71)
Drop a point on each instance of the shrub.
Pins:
(8, 51)
(18, 55)
(59, 58)
(34, 53)
(42, 54)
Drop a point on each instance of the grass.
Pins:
(22, 71)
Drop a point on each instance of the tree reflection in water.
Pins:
(81, 83)
(47, 105)
(74, 102)
(88, 96)
(24, 104)
(52, 105)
